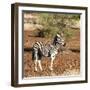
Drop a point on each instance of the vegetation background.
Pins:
(49, 24)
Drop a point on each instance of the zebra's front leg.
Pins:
(51, 64)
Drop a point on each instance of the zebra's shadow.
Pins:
(28, 49)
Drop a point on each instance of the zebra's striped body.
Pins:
(49, 50)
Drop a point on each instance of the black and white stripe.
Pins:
(49, 50)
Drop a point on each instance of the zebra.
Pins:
(48, 50)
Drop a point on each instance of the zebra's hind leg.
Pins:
(40, 66)
(35, 62)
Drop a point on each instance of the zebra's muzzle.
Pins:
(64, 44)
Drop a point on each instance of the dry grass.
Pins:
(67, 63)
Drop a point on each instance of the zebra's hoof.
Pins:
(35, 70)
(41, 69)
(51, 69)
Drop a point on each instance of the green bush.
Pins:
(49, 32)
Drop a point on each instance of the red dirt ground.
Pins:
(66, 63)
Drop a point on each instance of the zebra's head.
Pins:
(58, 40)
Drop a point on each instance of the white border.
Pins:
(82, 48)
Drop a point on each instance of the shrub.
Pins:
(49, 32)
